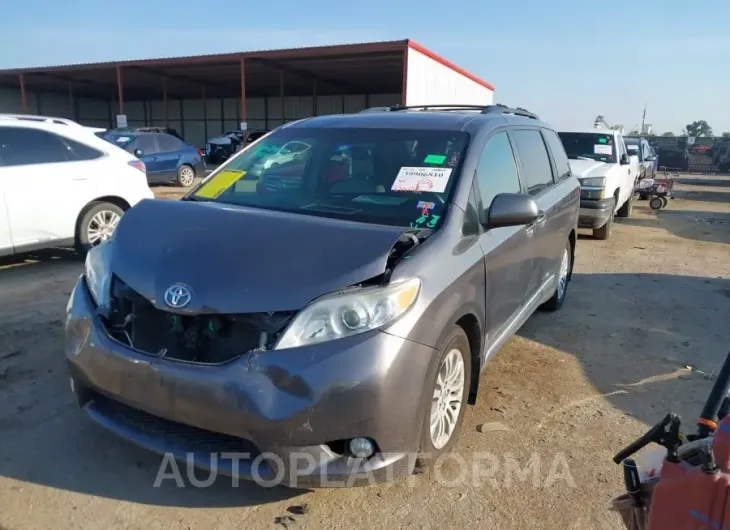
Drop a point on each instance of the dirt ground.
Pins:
(569, 391)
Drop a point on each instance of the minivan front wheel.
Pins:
(561, 289)
(446, 397)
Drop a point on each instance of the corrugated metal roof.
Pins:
(336, 48)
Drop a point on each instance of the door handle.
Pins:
(539, 222)
(80, 178)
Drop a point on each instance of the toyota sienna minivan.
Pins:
(337, 319)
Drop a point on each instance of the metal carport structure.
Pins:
(201, 96)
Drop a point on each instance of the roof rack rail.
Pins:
(504, 109)
(375, 109)
(40, 119)
(395, 108)
(483, 109)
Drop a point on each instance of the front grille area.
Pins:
(170, 433)
(203, 338)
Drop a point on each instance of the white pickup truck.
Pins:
(607, 175)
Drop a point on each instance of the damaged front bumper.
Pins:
(286, 415)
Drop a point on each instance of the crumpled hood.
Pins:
(589, 168)
(243, 260)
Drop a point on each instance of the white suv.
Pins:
(61, 185)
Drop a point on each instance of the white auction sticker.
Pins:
(601, 149)
(432, 179)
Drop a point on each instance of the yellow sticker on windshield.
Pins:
(219, 183)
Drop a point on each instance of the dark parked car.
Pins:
(640, 147)
(167, 158)
(344, 321)
(222, 147)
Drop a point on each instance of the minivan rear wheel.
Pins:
(446, 398)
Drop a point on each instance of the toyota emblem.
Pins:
(178, 296)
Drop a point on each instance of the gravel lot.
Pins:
(569, 391)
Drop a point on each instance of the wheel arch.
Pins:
(113, 199)
(189, 164)
(471, 325)
(573, 238)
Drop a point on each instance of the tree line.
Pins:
(696, 128)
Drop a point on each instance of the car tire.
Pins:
(604, 232)
(96, 225)
(185, 176)
(565, 269)
(627, 207)
(454, 359)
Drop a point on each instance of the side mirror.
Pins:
(511, 209)
(650, 158)
(138, 153)
(624, 159)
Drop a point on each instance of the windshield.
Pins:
(596, 146)
(379, 176)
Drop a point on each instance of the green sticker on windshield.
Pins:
(434, 159)
(602, 140)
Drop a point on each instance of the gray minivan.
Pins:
(337, 307)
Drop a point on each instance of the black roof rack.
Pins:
(483, 109)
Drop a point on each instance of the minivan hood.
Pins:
(243, 260)
(589, 168)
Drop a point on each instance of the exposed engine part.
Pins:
(203, 338)
(407, 240)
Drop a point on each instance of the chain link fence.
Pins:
(703, 154)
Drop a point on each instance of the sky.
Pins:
(566, 60)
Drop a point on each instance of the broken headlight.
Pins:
(342, 315)
(98, 274)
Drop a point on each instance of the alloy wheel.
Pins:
(447, 398)
(563, 278)
(187, 176)
(101, 227)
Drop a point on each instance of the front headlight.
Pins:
(593, 182)
(342, 315)
(98, 274)
(593, 188)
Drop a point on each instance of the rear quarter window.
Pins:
(558, 151)
(169, 143)
(537, 172)
(79, 151)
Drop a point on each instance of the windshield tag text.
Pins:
(422, 179)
